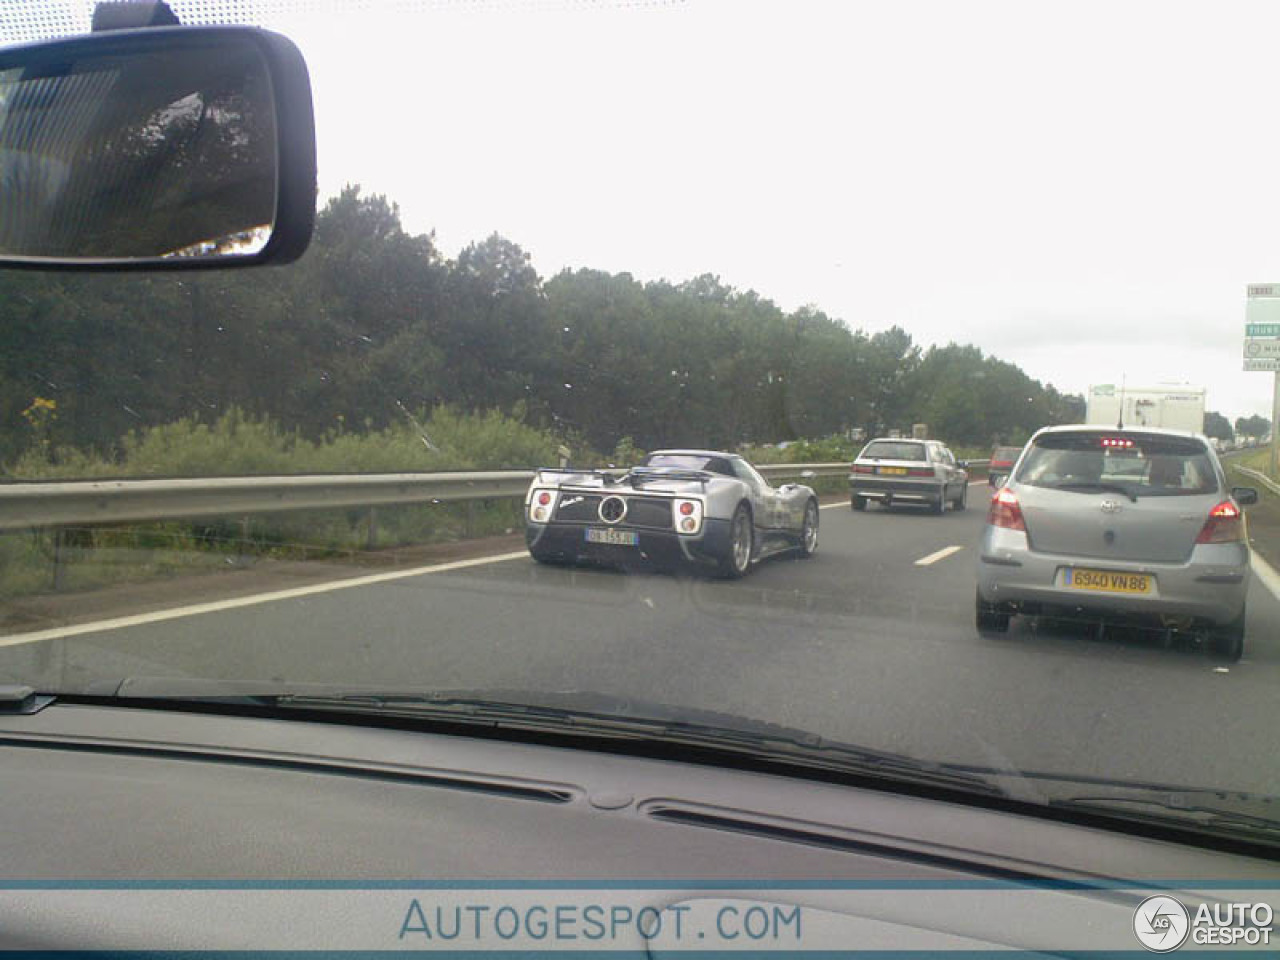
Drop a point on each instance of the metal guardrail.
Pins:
(90, 502)
(1259, 477)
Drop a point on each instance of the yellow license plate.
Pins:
(894, 471)
(1108, 581)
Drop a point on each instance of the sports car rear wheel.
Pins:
(809, 532)
(741, 545)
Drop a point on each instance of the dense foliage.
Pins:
(374, 329)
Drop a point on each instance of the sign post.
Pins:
(1262, 350)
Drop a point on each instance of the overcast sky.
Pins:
(1084, 188)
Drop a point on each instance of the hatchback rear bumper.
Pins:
(1211, 586)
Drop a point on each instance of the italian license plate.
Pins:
(617, 538)
(894, 471)
(1108, 581)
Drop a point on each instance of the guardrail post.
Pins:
(471, 519)
(58, 560)
(371, 535)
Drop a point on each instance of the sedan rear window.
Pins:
(893, 450)
(1140, 465)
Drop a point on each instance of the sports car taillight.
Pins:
(1224, 525)
(688, 516)
(542, 504)
(1005, 511)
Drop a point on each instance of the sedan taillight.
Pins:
(1224, 525)
(1005, 511)
(920, 471)
(863, 468)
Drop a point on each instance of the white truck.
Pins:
(1175, 406)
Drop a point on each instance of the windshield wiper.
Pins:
(1099, 488)
(1188, 809)
(744, 738)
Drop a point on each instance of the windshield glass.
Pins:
(1142, 465)
(893, 450)
(796, 247)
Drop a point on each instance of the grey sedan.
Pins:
(918, 472)
(1107, 524)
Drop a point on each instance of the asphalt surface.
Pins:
(862, 643)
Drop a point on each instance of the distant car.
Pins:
(918, 472)
(1002, 461)
(1104, 524)
(701, 507)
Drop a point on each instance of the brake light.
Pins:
(1224, 525)
(1005, 511)
(919, 471)
(863, 468)
(1117, 442)
(544, 498)
(688, 516)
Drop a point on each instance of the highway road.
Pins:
(871, 642)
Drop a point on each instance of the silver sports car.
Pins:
(698, 507)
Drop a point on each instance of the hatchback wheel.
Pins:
(989, 618)
(1227, 640)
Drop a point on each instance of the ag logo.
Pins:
(1161, 923)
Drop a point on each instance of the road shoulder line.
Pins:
(215, 606)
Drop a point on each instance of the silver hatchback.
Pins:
(1118, 524)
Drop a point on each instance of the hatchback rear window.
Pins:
(893, 450)
(1139, 465)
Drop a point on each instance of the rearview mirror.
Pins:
(166, 147)
(1245, 496)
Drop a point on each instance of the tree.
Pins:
(1254, 426)
(1217, 427)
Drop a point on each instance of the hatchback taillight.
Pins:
(1005, 511)
(1224, 525)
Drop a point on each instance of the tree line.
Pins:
(374, 326)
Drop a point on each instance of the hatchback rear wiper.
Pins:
(1100, 488)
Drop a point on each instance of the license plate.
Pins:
(894, 471)
(1108, 581)
(617, 538)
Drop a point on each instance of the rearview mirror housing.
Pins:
(159, 148)
(1245, 496)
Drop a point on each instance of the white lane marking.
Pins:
(939, 555)
(1265, 573)
(828, 506)
(175, 613)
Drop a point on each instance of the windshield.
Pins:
(1140, 465)
(786, 249)
(893, 450)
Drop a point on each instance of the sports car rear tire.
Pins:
(737, 563)
(809, 532)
